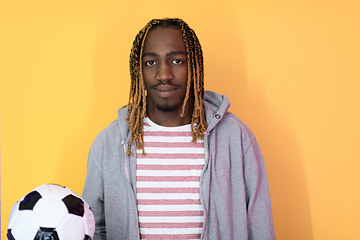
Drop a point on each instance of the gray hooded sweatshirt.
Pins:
(234, 188)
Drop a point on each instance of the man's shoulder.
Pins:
(230, 118)
(111, 129)
(115, 131)
(234, 125)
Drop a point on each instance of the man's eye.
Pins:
(177, 61)
(150, 63)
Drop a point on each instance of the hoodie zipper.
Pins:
(127, 169)
(201, 180)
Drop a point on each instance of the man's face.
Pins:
(165, 70)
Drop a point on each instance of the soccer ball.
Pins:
(51, 212)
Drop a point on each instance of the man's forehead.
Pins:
(172, 53)
(164, 38)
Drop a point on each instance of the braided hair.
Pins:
(195, 69)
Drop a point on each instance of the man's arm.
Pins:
(260, 221)
(93, 193)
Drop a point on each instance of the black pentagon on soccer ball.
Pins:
(29, 201)
(9, 235)
(74, 205)
(46, 234)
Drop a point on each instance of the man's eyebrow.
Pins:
(150, 54)
(175, 53)
(172, 53)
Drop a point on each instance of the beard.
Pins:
(166, 107)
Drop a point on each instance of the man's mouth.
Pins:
(165, 90)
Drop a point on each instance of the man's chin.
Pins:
(166, 108)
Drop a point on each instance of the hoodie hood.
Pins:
(122, 114)
(215, 106)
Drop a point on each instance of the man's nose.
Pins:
(164, 72)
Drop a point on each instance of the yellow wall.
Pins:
(290, 68)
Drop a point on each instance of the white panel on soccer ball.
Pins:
(13, 214)
(89, 220)
(72, 228)
(49, 212)
(52, 191)
(25, 226)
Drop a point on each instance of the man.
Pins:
(176, 164)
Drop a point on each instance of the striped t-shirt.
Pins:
(167, 183)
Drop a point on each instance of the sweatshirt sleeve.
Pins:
(93, 193)
(260, 221)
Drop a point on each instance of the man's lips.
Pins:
(165, 90)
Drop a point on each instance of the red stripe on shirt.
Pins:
(168, 179)
(172, 155)
(167, 190)
(172, 225)
(168, 201)
(167, 134)
(169, 167)
(170, 213)
(174, 144)
(170, 236)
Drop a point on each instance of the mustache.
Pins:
(164, 82)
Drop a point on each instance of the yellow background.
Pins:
(290, 67)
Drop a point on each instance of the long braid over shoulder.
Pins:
(137, 96)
